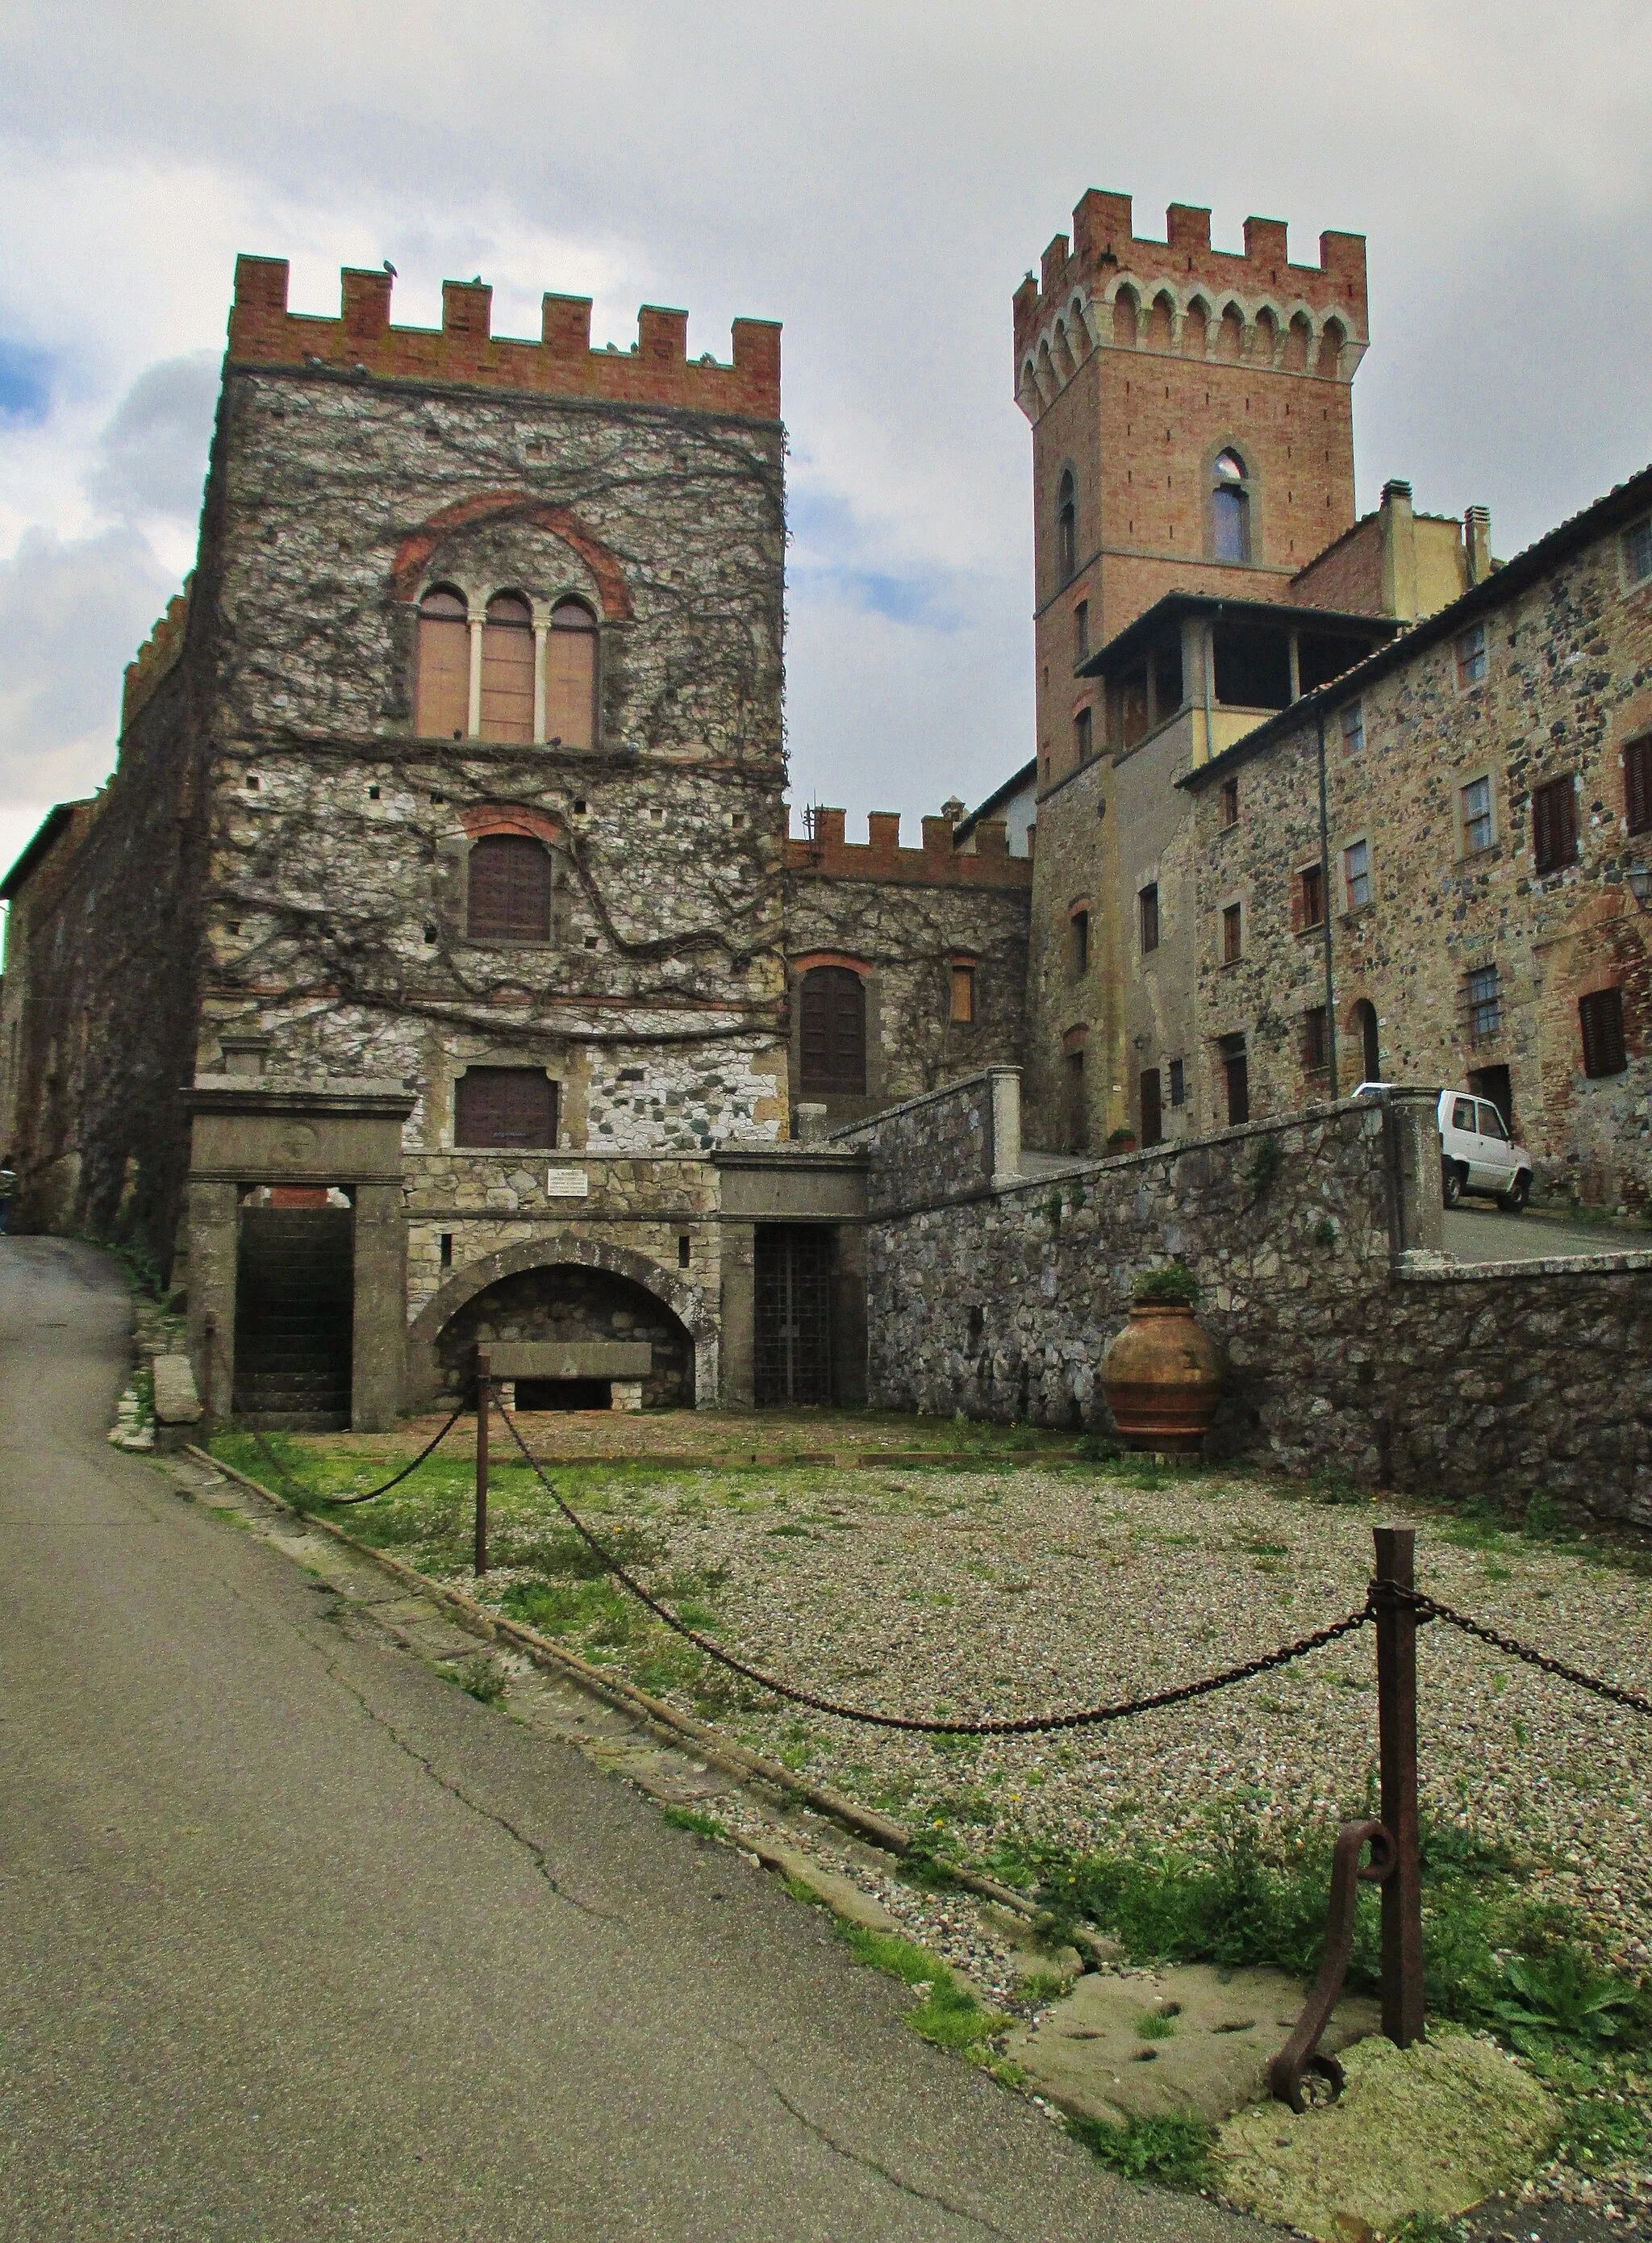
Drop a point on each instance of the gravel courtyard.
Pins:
(1010, 1583)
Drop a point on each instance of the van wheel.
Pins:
(1451, 1182)
(1515, 1197)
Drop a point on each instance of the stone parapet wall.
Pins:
(1344, 1355)
(932, 1150)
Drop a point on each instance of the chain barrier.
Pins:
(343, 1501)
(1435, 1610)
(1021, 1725)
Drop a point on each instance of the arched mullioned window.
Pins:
(1229, 510)
(508, 670)
(1066, 525)
(443, 699)
(508, 884)
(570, 676)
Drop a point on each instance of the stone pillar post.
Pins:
(473, 722)
(849, 1318)
(1411, 1153)
(381, 1309)
(213, 1238)
(738, 1244)
(542, 633)
(1006, 1124)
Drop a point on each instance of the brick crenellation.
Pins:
(655, 371)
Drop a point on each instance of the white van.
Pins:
(1477, 1153)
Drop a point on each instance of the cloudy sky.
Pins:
(877, 177)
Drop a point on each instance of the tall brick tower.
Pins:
(1192, 427)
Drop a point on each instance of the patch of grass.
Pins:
(1042, 1986)
(1155, 2024)
(689, 1818)
(948, 2015)
(480, 1677)
(1172, 2150)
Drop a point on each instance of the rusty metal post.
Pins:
(1402, 2010)
(484, 1369)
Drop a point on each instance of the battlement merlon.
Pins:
(828, 854)
(655, 371)
(1104, 246)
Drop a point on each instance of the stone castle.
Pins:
(438, 964)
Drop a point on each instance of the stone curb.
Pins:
(723, 1752)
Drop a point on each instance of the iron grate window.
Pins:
(792, 1304)
(505, 1106)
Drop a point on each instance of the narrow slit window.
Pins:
(1148, 905)
(1233, 933)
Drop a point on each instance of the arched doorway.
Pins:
(1363, 1020)
(573, 1306)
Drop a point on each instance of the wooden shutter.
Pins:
(1152, 1118)
(507, 670)
(963, 992)
(1555, 824)
(832, 1031)
(509, 897)
(1601, 1015)
(443, 712)
(1637, 785)
(503, 1107)
(570, 677)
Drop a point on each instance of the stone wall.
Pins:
(568, 1306)
(1348, 1350)
(1568, 686)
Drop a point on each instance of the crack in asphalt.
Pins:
(871, 2164)
(422, 1760)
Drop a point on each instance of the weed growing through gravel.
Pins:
(689, 1818)
(949, 2013)
(481, 1678)
(1174, 2151)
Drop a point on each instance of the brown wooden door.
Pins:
(832, 1031)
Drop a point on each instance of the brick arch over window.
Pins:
(686, 1303)
(413, 555)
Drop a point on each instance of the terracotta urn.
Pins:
(1162, 1377)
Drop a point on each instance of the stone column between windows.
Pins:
(541, 635)
(473, 719)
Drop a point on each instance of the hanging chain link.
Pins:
(1435, 1610)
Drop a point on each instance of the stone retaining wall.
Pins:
(1352, 1349)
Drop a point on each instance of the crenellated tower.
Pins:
(1192, 430)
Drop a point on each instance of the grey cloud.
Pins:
(152, 457)
(73, 612)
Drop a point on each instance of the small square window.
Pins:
(1485, 1005)
(1601, 1016)
(1356, 873)
(1178, 1083)
(1353, 727)
(1476, 801)
(252, 782)
(1148, 901)
(1471, 656)
(963, 993)
(1228, 814)
(1637, 551)
(1233, 933)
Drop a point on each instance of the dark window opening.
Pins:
(792, 1315)
(1082, 735)
(1637, 785)
(1601, 1016)
(1152, 1116)
(1494, 1083)
(1168, 681)
(1178, 1083)
(1230, 510)
(1233, 934)
(1364, 1027)
(1310, 895)
(564, 1394)
(682, 1252)
(1319, 657)
(1077, 1107)
(1555, 824)
(1081, 631)
(1080, 924)
(444, 1249)
(977, 1325)
(1148, 903)
(505, 1106)
(1316, 1042)
(1066, 525)
(509, 890)
(1229, 810)
(1236, 1074)
(832, 1031)
(1252, 666)
(1133, 707)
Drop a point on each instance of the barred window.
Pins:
(1485, 1004)
(1600, 1017)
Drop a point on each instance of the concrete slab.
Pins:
(1425, 2131)
(1150, 2043)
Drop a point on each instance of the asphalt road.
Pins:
(1476, 1230)
(302, 1942)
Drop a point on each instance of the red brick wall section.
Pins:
(882, 858)
(1347, 576)
(656, 371)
